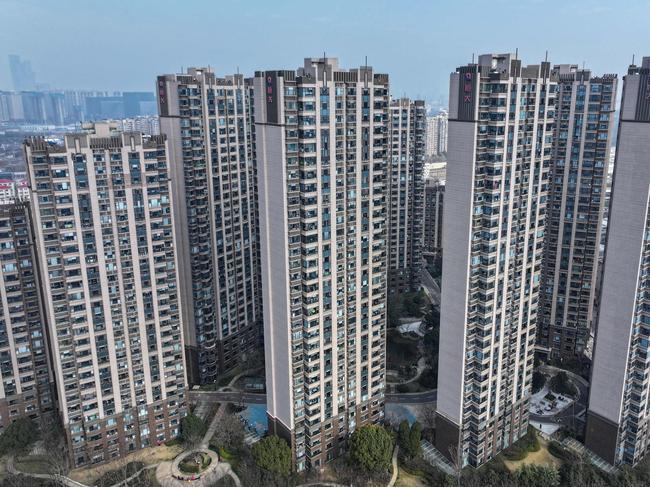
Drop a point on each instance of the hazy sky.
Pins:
(124, 44)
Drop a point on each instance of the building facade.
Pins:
(500, 147)
(26, 385)
(618, 427)
(209, 124)
(585, 114)
(406, 194)
(434, 196)
(104, 239)
(322, 148)
(436, 143)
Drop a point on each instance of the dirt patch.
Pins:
(540, 457)
(405, 479)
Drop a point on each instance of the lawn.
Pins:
(32, 464)
(539, 457)
(405, 479)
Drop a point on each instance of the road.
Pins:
(250, 398)
(430, 286)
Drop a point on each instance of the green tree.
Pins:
(273, 455)
(193, 430)
(537, 476)
(403, 435)
(415, 439)
(561, 384)
(371, 448)
(18, 436)
(539, 380)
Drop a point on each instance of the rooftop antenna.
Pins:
(632, 59)
(472, 58)
(516, 53)
(324, 69)
(546, 56)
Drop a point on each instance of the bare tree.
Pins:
(55, 448)
(456, 457)
(427, 417)
(230, 432)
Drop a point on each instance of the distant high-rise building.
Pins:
(322, 149)
(26, 385)
(406, 194)
(617, 419)
(500, 145)
(432, 137)
(104, 108)
(434, 195)
(146, 125)
(139, 103)
(14, 191)
(436, 143)
(209, 124)
(105, 245)
(443, 123)
(584, 113)
(22, 75)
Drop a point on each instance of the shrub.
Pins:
(527, 443)
(371, 448)
(557, 450)
(537, 476)
(514, 453)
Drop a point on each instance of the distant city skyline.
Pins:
(418, 43)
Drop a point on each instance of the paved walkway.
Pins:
(212, 428)
(393, 477)
(422, 365)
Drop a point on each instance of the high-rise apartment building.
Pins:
(436, 143)
(443, 126)
(432, 137)
(434, 196)
(26, 386)
(322, 148)
(208, 122)
(618, 427)
(104, 240)
(584, 113)
(406, 194)
(22, 74)
(500, 147)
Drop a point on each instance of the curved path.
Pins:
(393, 477)
(11, 468)
(579, 406)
